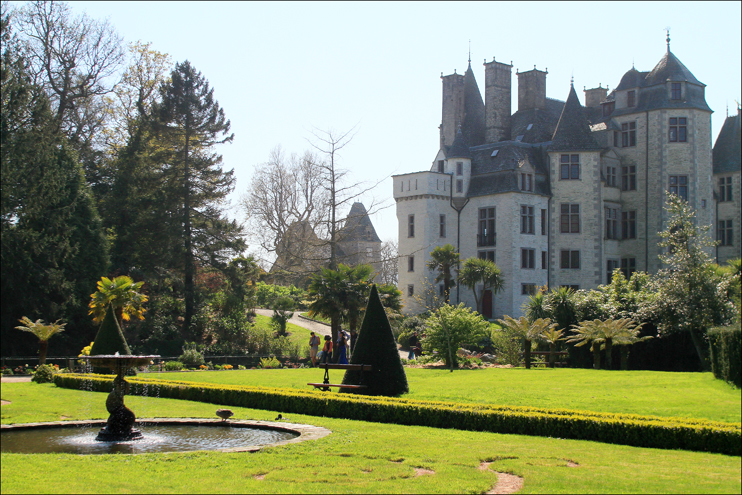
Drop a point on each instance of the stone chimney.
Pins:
(532, 89)
(497, 94)
(594, 96)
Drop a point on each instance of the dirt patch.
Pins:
(422, 471)
(440, 365)
(259, 477)
(506, 482)
(5, 402)
(571, 463)
(62, 418)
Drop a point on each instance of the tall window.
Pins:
(628, 266)
(442, 226)
(440, 166)
(410, 290)
(411, 226)
(678, 130)
(410, 263)
(631, 99)
(459, 168)
(526, 182)
(527, 258)
(459, 186)
(486, 234)
(610, 265)
(628, 134)
(724, 233)
(610, 177)
(675, 91)
(527, 220)
(570, 218)
(679, 186)
(628, 224)
(570, 260)
(544, 260)
(611, 223)
(570, 167)
(486, 255)
(528, 289)
(543, 221)
(725, 189)
(628, 178)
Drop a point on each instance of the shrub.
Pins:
(410, 324)
(269, 363)
(173, 366)
(191, 358)
(726, 361)
(44, 374)
(7, 371)
(450, 327)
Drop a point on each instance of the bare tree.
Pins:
(389, 261)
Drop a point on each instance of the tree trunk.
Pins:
(43, 346)
(552, 355)
(700, 350)
(596, 356)
(624, 357)
(608, 354)
(450, 355)
(527, 353)
(189, 268)
(335, 331)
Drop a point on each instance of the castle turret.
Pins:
(462, 106)
(532, 89)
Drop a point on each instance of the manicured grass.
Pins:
(358, 457)
(693, 395)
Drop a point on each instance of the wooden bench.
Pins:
(557, 354)
(325, 385)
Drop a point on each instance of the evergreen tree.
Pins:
(376, 346)
(190, 123)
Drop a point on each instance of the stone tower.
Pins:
(497, 94)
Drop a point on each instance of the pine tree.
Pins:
(376, 346)
(190, 123)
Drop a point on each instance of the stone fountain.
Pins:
(121, 419)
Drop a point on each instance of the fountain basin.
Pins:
(160, 435)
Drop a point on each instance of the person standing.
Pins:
(342, 347)
(414, 344)
(313, 348)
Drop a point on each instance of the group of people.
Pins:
(344, 343)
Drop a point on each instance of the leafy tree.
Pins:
(629, 336)
(529, 331)
(450, 327)
(588, 332)
(121, 293)
(192, 123)
(443, 260)
(551, 336)
(282, 313)
(481, 271)
(692, 297)
(43, 332)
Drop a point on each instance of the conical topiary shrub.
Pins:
(376, 346)
(109, 339)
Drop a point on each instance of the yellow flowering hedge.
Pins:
(626, 429)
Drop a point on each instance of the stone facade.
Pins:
(560, 194)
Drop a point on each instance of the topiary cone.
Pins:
(376, 346)
(109, 339)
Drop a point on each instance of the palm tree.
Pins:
(589, 332)
(444, 259)
(481, 271)
(122, 293)
(629, 336)
(530, 331)
(536, 306)
(551, 336)
(43, 332)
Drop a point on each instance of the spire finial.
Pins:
(668, 39)
(572, 80)
(469, 53)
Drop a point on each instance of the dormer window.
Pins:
(459, 168)
(608, 108)
(631, 99)
(675, 91)
(440, 166)
(526, 182)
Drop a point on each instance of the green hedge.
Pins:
(635, 430)
(726, 355)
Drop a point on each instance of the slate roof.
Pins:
(727, 154)
(499, 174)
(573, 131)
(473, 125)
(544, 122)
(632, 79)
(358, 225)
(669, 68)
(459, 147)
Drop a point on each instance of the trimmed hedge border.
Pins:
(626, 429)
(726, 353)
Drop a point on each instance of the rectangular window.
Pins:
(631, 99)
(615, 139)
(410, 263)
(628, 267)
(527, 220)
(610, 265)
(459, 168)
(410, 290)
(544, 260)
(628, 224)
(570, 218)
(543, 221)
(608, 108)
(526, 182)
(569, 167)
(369, 253)
(486, 232)
(611, 223)
(610, 176)
(486, 255)
(574, 288)
(628, 178)
(678, 130)
(679, 186)
(442, 226)
(528, 289)
(411, 226)
(675, 91)
(570, 260)
(459, 186)
(442, 290)
(628, 134)
(440, 166)
(724, 234)
(528, 258)
(725, 189)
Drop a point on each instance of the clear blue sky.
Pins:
(279, 69)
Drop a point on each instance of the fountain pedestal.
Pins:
(121, 419)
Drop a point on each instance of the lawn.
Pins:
(694, 395)
(358, 457)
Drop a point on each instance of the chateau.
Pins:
(561, 194)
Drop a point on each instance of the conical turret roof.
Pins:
(459, 148)
(573, 131)
(669, 68)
